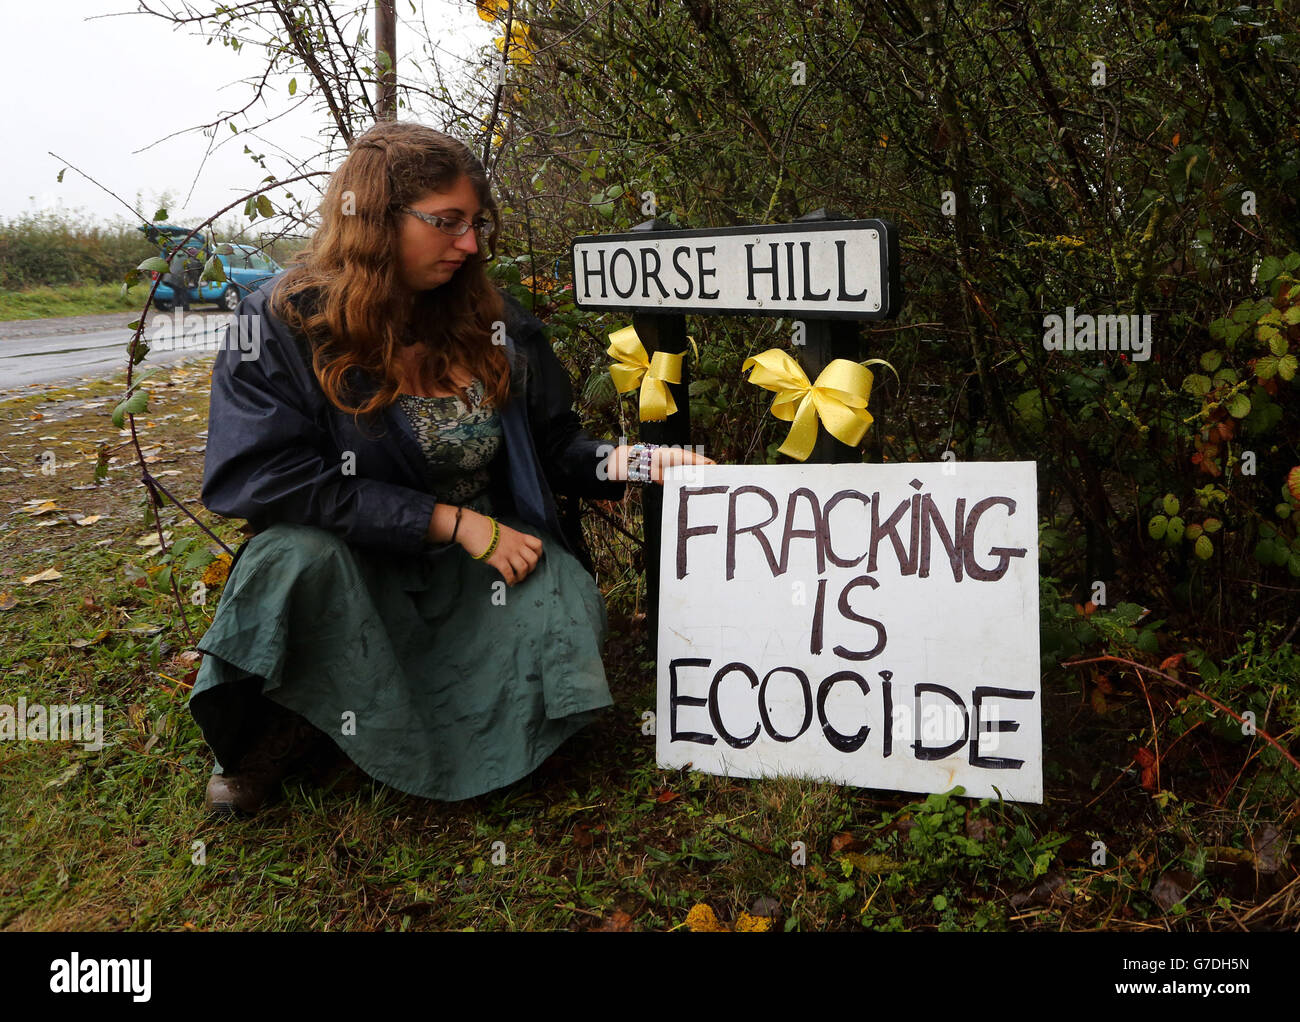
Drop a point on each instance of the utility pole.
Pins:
(386, 43)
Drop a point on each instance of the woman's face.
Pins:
(427, 258)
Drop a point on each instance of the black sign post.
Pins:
(661, 333)
(823, 270)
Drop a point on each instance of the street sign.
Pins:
(832, 269)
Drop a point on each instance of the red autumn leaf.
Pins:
(1170, 664)
(616, 922)
(1148, 779)
(665, 796)
(582, 836)
(1293, 482)
(1144, 757)
(1104, 684)
(845, 842)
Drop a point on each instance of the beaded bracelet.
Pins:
(496, 535)
(638, 462)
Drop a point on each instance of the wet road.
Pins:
(46, 351)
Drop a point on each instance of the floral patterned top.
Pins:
(462, 443)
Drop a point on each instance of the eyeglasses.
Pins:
(453, 225)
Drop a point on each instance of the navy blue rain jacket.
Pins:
(276, 445)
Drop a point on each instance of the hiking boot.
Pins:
(287, 743)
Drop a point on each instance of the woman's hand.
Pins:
(660, 459)
(516, 555)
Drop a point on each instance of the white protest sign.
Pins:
(874, 625)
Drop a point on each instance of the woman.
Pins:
(396, 429)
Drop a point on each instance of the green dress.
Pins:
(429, 672)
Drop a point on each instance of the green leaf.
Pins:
(1292, 315)
(1157, 526)
(1197, 385)
(1277, 344)
(213, 270)
(1269, 268)
(154, 264)
(1266, 367)
(264, 206)
(1211, 360)
(160, 213)
(293, 86)
(1174, 533)
(1238, 406)
(1170, 504)
(1204, 548)
(1286, 367)
(135, 404)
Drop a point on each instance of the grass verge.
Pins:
(599, 837)
(68, 300)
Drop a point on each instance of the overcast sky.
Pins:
(94, 95)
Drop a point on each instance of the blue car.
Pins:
(246, 268)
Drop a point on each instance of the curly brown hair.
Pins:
(344, 292)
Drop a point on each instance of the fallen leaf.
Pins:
(1170, 664)
(665, 796)
(83, 643)
(1041, 893)
(89, 519)
(7, 602)
(1270, 849)
(766, 906)
(217, 571)
(48, 575)
(978, 828)
(65, 777)
(1171, 888)
(41, 509)
(871, 863)
(1224, 853)
(617, 922)
(845, 842)
(702, 919)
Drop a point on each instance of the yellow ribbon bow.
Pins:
(633, 366)
(838, 399)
